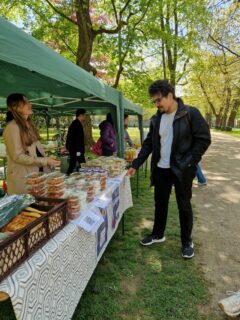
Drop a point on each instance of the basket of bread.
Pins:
(28, 229)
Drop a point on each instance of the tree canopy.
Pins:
(130, 43)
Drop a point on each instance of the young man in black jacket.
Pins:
(177, 138)
(75, 141)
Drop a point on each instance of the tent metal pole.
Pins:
(121, 126)
(140, 126)
(47, 131)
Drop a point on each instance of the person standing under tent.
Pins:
(108, 136)
(75, 141)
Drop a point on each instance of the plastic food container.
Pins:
(35, 178)
(36, 187)
(73, 212)
(55, 178)
(82, 195)
(40, 193)
(80, 182)
(74, 209)
(87, 188)
(56, 195)
(90, 199)
(73, 201)
(57, 187)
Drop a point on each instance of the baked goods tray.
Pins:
(19, 246)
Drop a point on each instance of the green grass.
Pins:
(134, 282)
(234, 132)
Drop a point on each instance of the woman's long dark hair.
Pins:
(9, 116)
(28, 132)
(109, 118)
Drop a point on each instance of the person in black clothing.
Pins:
(177, 138)
(75, 141)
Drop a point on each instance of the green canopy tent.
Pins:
(53, 83)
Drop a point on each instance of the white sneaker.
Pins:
(202, 184)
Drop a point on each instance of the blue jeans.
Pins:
(200, 176)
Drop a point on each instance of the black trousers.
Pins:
(164, 180)
(73, 162)
(107, 153)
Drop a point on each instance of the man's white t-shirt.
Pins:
(166, 134)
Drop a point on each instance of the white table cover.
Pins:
(50, 283)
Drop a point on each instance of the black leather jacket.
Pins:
(191, 138)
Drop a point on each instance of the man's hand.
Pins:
(131, 172)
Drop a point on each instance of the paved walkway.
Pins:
(217, 225)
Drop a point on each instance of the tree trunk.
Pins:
(223, 122)
(84, 53)
(233, 113)
(88, 138)
(163, 43)
(57, 123)
(85, 36)
(208, 117)
(210, 103)
(218, 121)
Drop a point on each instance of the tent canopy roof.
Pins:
(50, 80)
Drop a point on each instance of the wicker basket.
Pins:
(18, 247)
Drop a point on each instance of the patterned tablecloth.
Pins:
(50, 283)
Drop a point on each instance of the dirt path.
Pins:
(217, 225)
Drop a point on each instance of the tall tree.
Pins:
(77, 27)
(175, 34)
(214, 85)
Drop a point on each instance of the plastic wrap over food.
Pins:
(10, 206)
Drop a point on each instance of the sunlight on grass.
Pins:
(154, 263)
(234, 132)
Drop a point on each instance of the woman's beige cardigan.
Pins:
(20, 162)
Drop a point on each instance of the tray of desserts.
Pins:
(28, 230)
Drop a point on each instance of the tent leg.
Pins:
(140, 126)
(123, 225)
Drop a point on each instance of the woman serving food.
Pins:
(25, 153)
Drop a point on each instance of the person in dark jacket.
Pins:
(75, 141)
(108, 136)
(178, 137)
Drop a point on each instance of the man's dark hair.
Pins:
(125, 116)
(161, 86)
(80, 111)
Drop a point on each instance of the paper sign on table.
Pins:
(89, 220)
(102, 202)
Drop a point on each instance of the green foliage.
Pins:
(213, 79)
(141, 33)
(157, 39)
